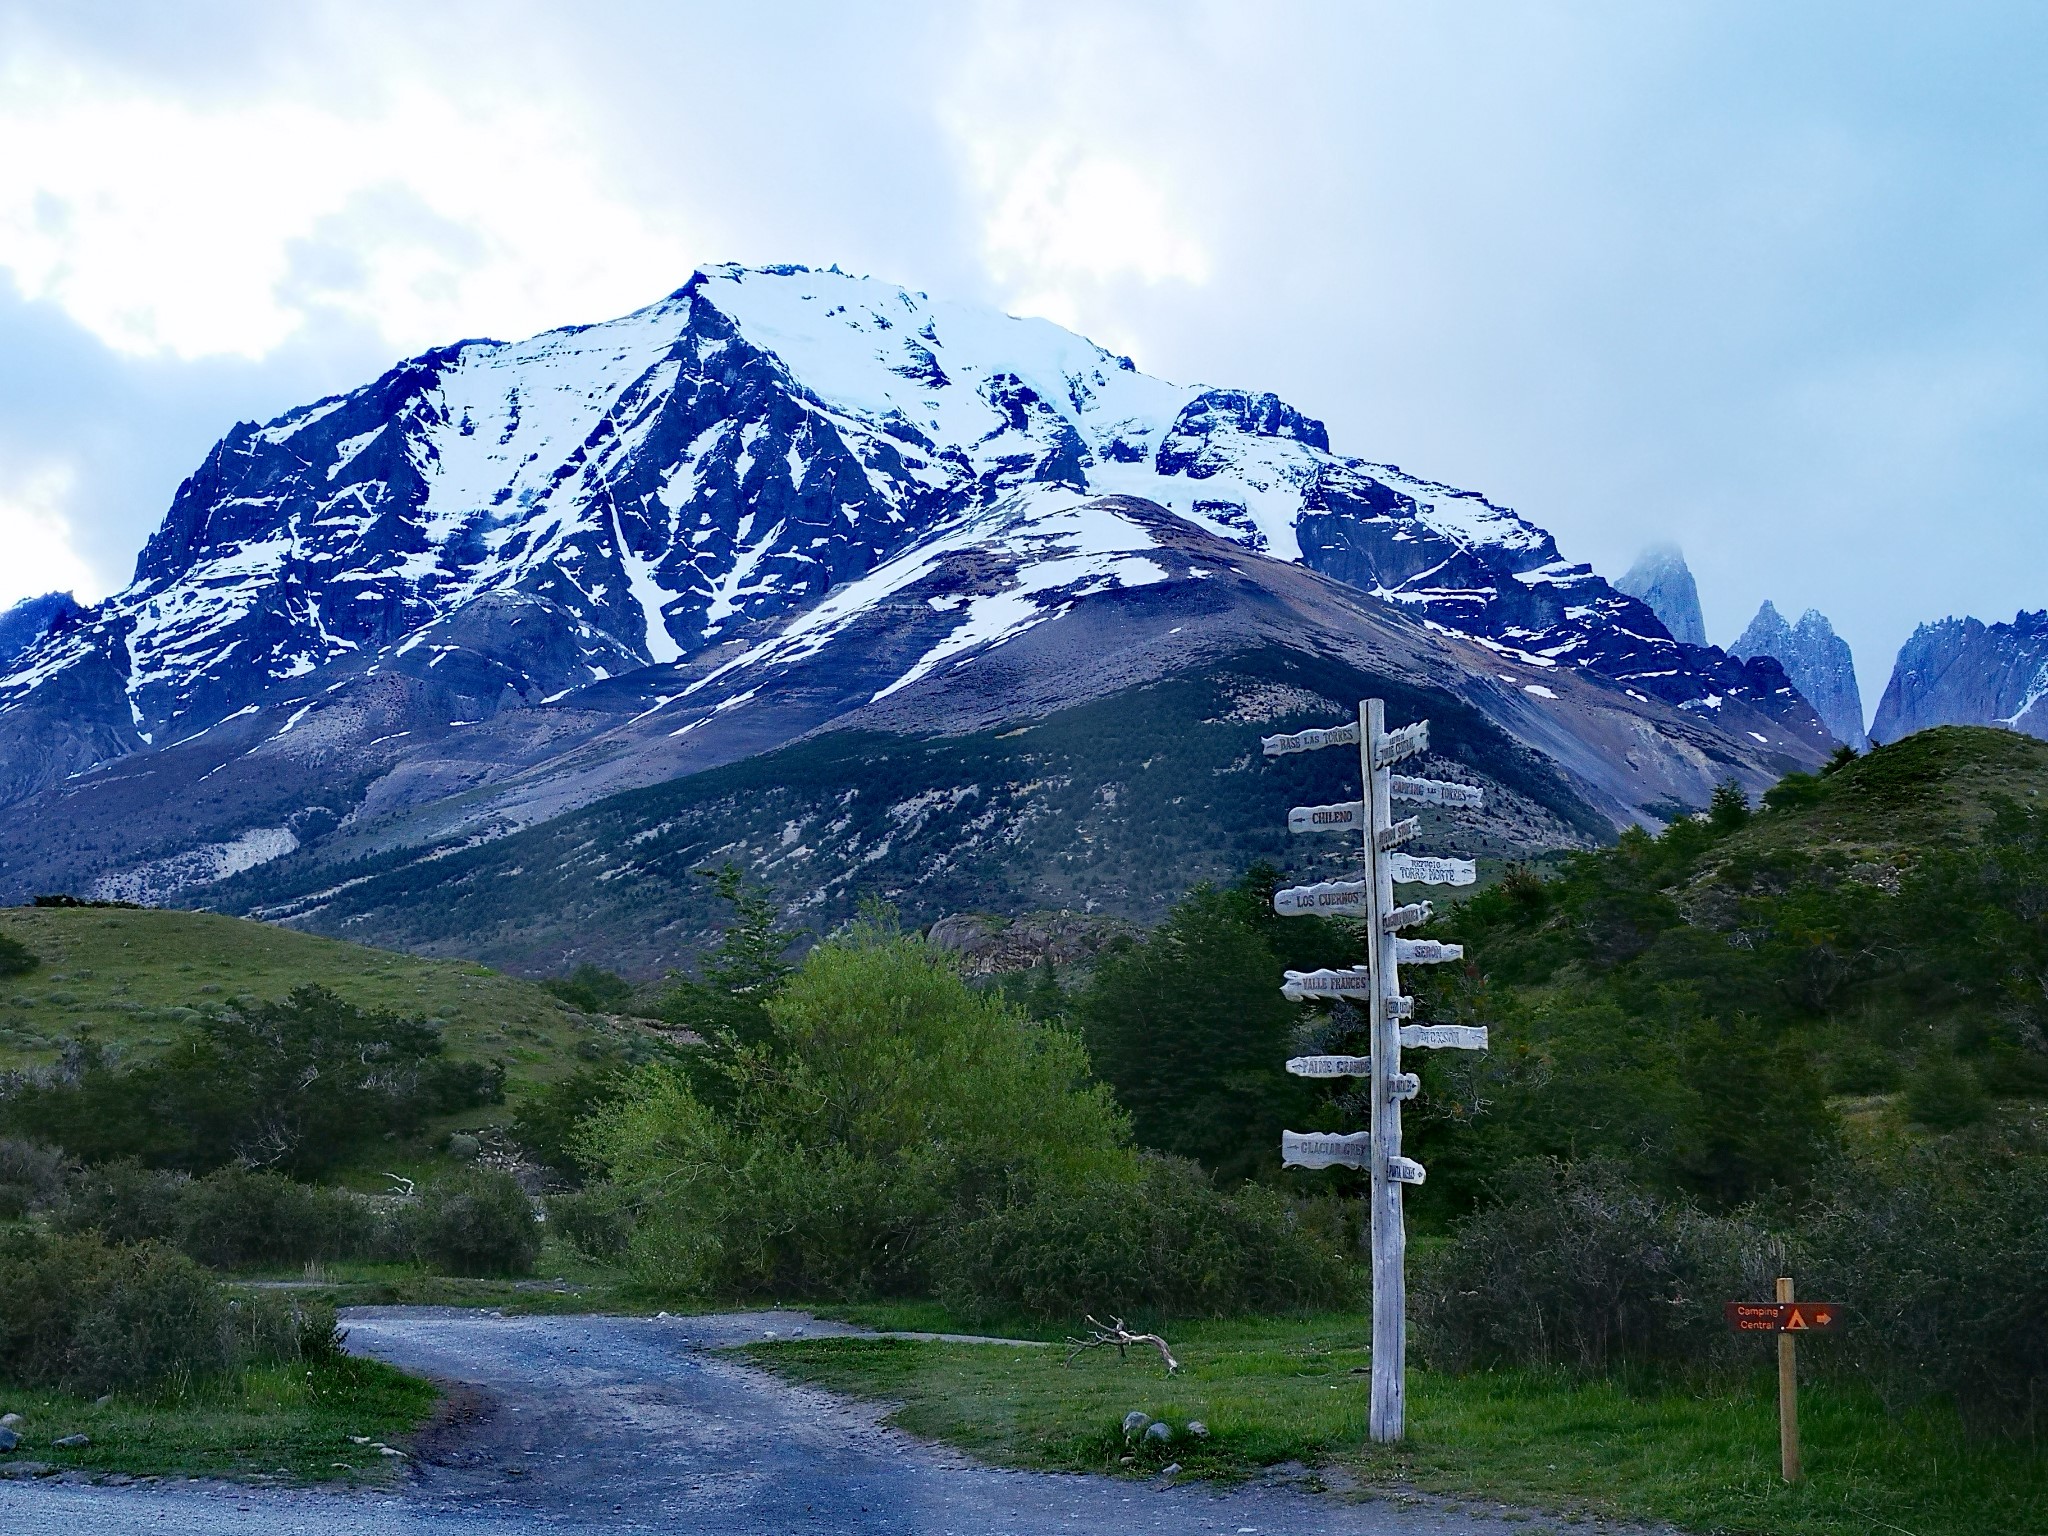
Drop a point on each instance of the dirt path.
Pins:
(574, 1424)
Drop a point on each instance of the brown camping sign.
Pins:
(1782, 1316)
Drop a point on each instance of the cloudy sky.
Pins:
(1770, 281)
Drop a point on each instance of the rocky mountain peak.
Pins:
(1817, 660)
(1965, 672)
(1661, 579)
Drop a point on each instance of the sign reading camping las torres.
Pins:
(1371, 899)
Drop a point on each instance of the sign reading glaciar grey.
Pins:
(1377, 1150)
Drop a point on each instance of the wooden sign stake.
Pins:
(1373, 900)
(1788, 1394)
(1389, 1230)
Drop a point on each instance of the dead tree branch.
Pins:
(1117, 1336)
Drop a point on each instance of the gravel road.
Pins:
(574, 1424)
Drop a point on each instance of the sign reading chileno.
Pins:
(1377, 1150)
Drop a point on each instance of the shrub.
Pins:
(550, 1117)
(1156, 1239)
(1944, 1268)
(477, 1222)
(294, 1085)
(91, 1316)
(595, 1222)
(236, 1219)
(593, 989)
(125, 1203)
(1576, 1265)
(883, 1104)
(32, 1177)
(16, 958)
(1945, 1095)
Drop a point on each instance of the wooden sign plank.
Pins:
(1436, 792)
(1325, 1149)
(1410, 916)
(1330, 1066)
(1403, 1085)
(1345, 816)
(1327, 896)
(1426, 952)
(1400, 1007)
(1452, 1037)
(1395, 745)
(1405, 1170)
(1421, 869)
(1296, 985)
(1308, 741)
(1398, 833)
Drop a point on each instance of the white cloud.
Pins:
(164, 226)
(35, 535)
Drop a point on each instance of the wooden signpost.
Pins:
(1787, 1318)
(1378, 1150)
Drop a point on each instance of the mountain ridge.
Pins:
(584, 548)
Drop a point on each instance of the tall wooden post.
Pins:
(1788, 1394)
(1377, 1150)
(1389, 1230)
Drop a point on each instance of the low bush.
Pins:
(1158, 1239)
(238, 1219)
(595, 1222)
(294, 1086)
(1578, 1266)
(16, 958)
(550, 1117)
(89, 1317)
(125, 1203)
(32, 1177)
(1943, 1264)
(477, 1222)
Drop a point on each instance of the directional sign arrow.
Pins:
(1454, 1037)
(1308, 741)
(1325, 1149)
(1330, 1066)
(1403, 1085)
(1403, 1170)
(1426, 952)
(1328, 896)
(1398, 833)
(1421, 869)
(1341, 817)
(1296, 985)
(1435, 792)
(1405, 742)
(1410, 916)
(1782, 1316)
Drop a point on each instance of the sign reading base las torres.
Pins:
(1371, 899)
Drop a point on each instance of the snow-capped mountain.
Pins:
(775, 498)
(1664, 582)
(29, 620)
(1965, 672)
(1816, 659)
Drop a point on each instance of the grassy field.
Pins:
(1278, 1391)
(135, 977)
(291, 1423)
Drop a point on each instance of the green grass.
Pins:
(1276, 1391)
(134, 978)
(298, 1423)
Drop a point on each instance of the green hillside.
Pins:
(136, 979)
(1864, 956)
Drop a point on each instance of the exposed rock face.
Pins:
(504, 580)
(1662, 579)
(1817, 660)
(29, 620)
(1964, 672)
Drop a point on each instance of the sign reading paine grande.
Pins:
(1378, 983)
